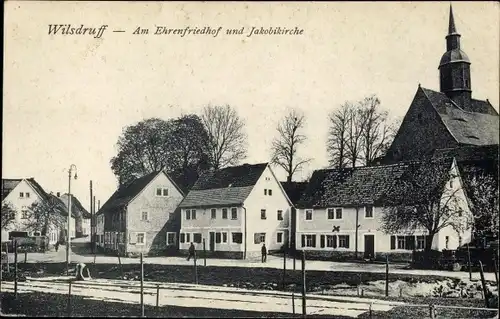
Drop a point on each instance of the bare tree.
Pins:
(425, 199)
(285, 146)
(44, 215)
(337, 136)
(355, 130)
(227, 143)
(8, 215)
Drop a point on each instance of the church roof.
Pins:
(455, 55)
(476, 125)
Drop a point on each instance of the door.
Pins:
(212, 241)
(369, 246)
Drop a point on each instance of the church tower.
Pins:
(454, 68)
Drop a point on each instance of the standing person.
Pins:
(264, 252)
(57, 246)
(191, 251)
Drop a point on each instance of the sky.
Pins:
(67, 98)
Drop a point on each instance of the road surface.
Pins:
(186, 295)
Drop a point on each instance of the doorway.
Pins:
(369, 246)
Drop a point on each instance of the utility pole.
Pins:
(91, 220)
(94, 223)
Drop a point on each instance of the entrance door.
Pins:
(369, 246)
(212, 241)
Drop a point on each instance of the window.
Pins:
(188, 214)
(331, 241)
(369, 212)
(338, 213)
(193, 214)
(309, 214)
(234, 213)
(237, 238)
(259, 238)
(308, 240)
(197, 238)
(263, 214)
(183, 238)
(188, 237)
(171, 239)
(280, 215)
(446, 242)
(401, 242)
(270, 192)
(165, 192)
(140, 238)
(144, 216)
(213, 212)
(343, 241)
(218, 238)
(224, 213)
(224, 237)
(420, 242)
(331, 213)
(21, 194)
(162, 192)
(27, 195)
(24, 214)
(279, 238)
(265, 191)
(158, 192)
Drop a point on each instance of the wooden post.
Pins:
(69, 299)
(15, 267)
(92, 204)
(25, 255)
(483, 283)
(468, 261)
(204, 254)
(387, 275)
(371, 310)
(293, 301)
(195, 269)
(142, 287)
(284, 269)
(157, 297)
(495, 269)
(7, 251)
(304, 283)
(432, 311)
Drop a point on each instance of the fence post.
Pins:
(293, 300)
(15, 268)
(7, 251)
(304, 283)
(25, 255)
(495, 269)
(483, 283)
(432, 311)
(469, 263)
(204, 254)
(284, 268)
(195, 269)
(142, 286)
(387, 275)
(371, 310)
(157, 298)
(69, 299)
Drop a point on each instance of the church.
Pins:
(448, 119)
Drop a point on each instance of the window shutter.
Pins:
(183, 237)
(217, 238)
(133, 237)
(393, 242)
(313, 240)
(334, 239)
(303, 240)
(322, 241)
(256, 238)
(347, 241)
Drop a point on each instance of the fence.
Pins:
(433, 310)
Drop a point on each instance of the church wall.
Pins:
(420, 133)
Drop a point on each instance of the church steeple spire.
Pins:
(454, 67)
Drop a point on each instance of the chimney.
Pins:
(58, 194)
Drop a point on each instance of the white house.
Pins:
(337, 200)
(81, 216)
(234, 211)
(142, 217)
(99, 229)
(21, 194)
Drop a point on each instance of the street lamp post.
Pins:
(68, 237)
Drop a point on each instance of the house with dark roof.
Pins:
(82, 216)
(234, 211)
(21, 194)
(294, 191)
(450, 118)
(339, 216)
(142, 217)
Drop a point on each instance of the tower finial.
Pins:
(451, 28)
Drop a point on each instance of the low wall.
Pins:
(347, 255)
